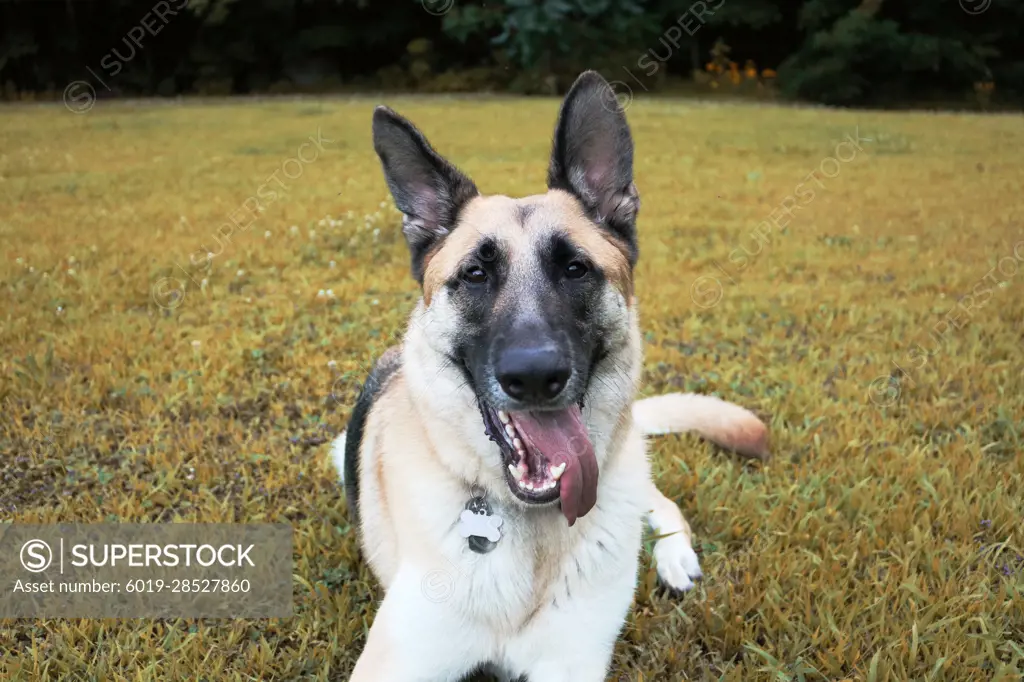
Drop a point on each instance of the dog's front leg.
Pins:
(417, 636)
(572, 639)
(676, 562)
(575, 644)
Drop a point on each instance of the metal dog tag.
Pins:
(480, 526)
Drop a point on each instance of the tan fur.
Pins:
(718, 421)
(500, 217)
(609, 253)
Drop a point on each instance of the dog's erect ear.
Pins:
(427, 189)
(592, 157)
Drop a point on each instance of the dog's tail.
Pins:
(725, 424)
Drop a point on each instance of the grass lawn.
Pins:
(883, 541)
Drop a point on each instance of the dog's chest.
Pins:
(538, 561)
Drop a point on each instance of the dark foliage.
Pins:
(847, 52)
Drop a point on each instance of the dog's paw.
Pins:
(677, 564)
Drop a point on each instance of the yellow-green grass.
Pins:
(881, 542)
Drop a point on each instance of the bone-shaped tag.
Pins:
(479, 525)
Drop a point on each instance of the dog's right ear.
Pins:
(592, 157)
(428, 190)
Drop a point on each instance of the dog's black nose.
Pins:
(533, 373)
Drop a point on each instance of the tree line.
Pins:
(837, 52)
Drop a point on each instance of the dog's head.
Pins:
(529, 298)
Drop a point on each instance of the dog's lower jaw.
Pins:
(531, 485)
(548, 455)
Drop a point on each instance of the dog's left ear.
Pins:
(427, 189)
(592, 157)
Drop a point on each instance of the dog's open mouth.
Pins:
(548, 455)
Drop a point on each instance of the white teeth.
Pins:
(534, 487)
(509, 431)
(516, 473)
(518, 444)
(503, 416)
(557, 471)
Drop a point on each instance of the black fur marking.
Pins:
(486, 669)
(599, 354)
(491, 319)
(523, 212)
(374, 385)
(458, 361)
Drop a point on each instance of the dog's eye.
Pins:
(474, 275)
(575, 270)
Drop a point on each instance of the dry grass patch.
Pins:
(882, 542)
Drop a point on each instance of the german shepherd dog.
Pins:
(495, 461)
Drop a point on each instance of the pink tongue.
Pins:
(560, 438)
